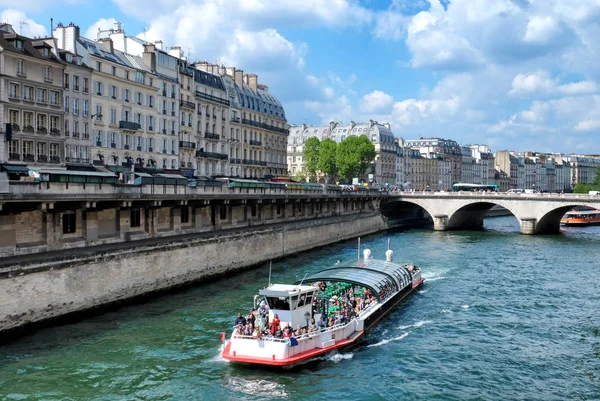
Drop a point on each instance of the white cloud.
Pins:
(102, 24)
(541, 30)
(22, 24)
(390, 25)
(541, 83)
(588, 125)
(376, 102)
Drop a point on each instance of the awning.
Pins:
(14, 168)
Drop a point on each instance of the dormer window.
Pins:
(46, 52)
(69, 57)
(19, 44)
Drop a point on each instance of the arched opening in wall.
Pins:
(483, 215)
(401, 214)
(570, 219)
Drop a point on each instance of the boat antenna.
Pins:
(358, 248)
(388, 244)
(270, 266)
(303, 278)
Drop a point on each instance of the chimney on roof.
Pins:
(239, 78)
(67, 37)
(159, 44)
(387, 125)
(149, 56)
(332, 125)
(176, 51)
(107, 44)
(202, 66)
(252, 81)
(230, 71)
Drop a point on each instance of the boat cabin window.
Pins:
(280, 303)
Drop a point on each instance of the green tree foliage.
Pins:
(327, 158)
(581, 188)
(299, 176)
(311, 156)
(353, 156)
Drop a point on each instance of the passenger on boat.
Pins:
(239, 331)
(251, 319)
(264, 309)
(298, 331)
(330, 322)
(240, 320)
(287, 333)
(313, 327)
(256, 333)
(275, 324)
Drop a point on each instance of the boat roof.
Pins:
(370, 273)
(276, 290)
(584, 212)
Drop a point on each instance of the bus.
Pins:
(474, 187)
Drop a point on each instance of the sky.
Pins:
(514, 74)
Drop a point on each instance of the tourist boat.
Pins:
(581, 218)
(385, 283)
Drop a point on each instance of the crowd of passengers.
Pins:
(343, 307)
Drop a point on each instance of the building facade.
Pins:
(31, 101)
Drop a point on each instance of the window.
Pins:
(14, 117)
(41, 122)
(68, 222)
(113, 91)
(28, 93)
(41, 95)
(20, 67)
(85, 85)
(113, 70)
(98, 112)
(99, 88)
(85, 108)
(185, 214)
(27, 119)
(54, 98)
(98, 66)
(41, 150)
(134, 217)
(127, 75)
(76, 128)
(75, 106)
(75, 83)
(53, 150)
(66, 81)
(14, 90)
(54, 123)
(150, 101)
(85, 131)
(113, 116)
(66, 104)
(19, 44)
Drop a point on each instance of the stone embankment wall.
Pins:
(61, 284)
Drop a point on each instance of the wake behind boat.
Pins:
(295, 323)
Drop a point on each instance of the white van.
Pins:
(531, 191)
(515, 191)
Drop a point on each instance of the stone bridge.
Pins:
(536, 213)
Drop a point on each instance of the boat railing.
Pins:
(300, 338)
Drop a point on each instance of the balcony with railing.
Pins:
(211, 155)
(254, 162)
(187, 105)
(255, 143)
(42, 158)
(234, 119)
(14, 156)
(265, 126)
(235, 161)
(129, 125)
(77, 160)
(187, 145)
(210, 135)
(28, 157)
(54, 159)
(55, 132)
(212, 98)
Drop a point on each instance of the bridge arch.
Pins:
(400, 212)
(548, 222)
(472, 215)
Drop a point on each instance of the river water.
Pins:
(502, 316)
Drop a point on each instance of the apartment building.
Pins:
(31, 101)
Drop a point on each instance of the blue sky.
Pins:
(514, 74)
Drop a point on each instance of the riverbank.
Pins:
(52, 285)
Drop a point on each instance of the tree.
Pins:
(581, 188)
(353, 156)
(311, 156)
(327, 158)
(299, 176)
